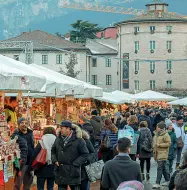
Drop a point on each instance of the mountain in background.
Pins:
(17, 16)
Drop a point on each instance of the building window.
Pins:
(169, 65)
(152, 66)
(94, 62)
(136, 85)
(168, 44)
(108, 62)
(16, 57)
(102, 34)
(169, 84)
(152, 84)
(108, 79)
(137, 45)
(136, 65)
(137, 29)
(58, 59)
(168, 28)
(44, 59)
(94, 79)
(152, 45)
(152, 28)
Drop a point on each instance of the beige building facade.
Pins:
(156, 45)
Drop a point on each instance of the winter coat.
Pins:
(91, 158)
(112, 136)
(96, 123)
(161, 144)
(179, 131)
(118, 170)
(70, 158)
(173, 146)
(174, 181)
(47, 171)
(26, 145)
(144, 132)
(133, 149)
(123, 122)
(88, 127)
(147, 119)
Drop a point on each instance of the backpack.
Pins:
(180, 180)
(105, 143)
(127, 132)
(147, 145)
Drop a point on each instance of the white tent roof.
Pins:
(87, 90)
(124, 95)
(110, 98)
(182, 102)
(14, 77)
(153, 96)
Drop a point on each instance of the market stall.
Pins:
(13, 79)
(179, 102)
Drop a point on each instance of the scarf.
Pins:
(48, 141)
(66, 139)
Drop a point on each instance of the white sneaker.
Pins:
(156, 186)
(165, 184)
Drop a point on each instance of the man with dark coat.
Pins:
(121, 168)
(68, 153)
(25, 140)
(145, 117)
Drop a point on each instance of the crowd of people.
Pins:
(155, 133)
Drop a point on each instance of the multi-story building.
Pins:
(153, 50)
(47, 50)
(103, 63)
(109, 32)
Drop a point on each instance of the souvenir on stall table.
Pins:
(10, 169)
(5, 173)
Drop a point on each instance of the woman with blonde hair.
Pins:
(133, 122)
(109, 131)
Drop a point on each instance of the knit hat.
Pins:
(66, 124)
(94, 112)
(20, 120)
(168, 122)
(179, 118)
(161, 125)
(131, 185)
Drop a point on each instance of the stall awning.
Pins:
(181, 102)
(153, 96)
(128, 98)
(110, 98)
(15, 77)
(87, 90)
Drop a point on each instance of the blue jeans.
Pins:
(163, 169)
(85, 185)
(41, 183)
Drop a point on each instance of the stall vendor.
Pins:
(10, 114)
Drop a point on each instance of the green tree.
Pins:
(70, 66)
(83, 30)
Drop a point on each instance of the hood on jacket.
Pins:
(85, 135)
(161, 133)
(78, 131)
(18, 132)
(96, 118)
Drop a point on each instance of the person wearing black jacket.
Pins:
(69, 153)
(25, 140)
(121, 168)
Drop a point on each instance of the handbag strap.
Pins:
(42, 144)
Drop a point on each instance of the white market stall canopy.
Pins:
(14, 77)
(181, 102)
(153, 96)
(86, 90)
(110, 98)
(128, 98)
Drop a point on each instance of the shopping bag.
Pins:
(94, 170)
(40, 159)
